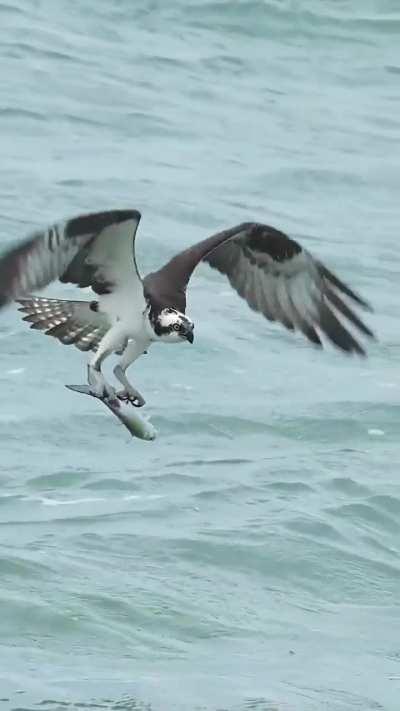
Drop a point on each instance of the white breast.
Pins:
(129, 312)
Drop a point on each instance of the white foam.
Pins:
(150, 497)
(72, 502)
(90, 499)
(376, 433)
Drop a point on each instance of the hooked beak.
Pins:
(190, 336)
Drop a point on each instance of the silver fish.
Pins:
(138, 425)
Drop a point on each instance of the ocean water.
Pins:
(249, 557)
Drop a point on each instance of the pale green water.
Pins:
(249, 558)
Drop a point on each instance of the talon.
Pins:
(132, 396)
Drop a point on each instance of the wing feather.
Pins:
(74, 322)
(285, 305)
(95, 250)
(284, 282)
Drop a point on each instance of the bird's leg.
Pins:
(99, 385)
(97, 382)
(133, 350)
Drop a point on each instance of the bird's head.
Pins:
(172, 326)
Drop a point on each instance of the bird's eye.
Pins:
(176, 326)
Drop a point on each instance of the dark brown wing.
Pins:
(94, 250)
(277, 278)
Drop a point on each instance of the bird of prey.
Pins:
(272, 272)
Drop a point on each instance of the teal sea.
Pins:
(249, 558)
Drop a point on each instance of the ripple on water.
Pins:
(289, 488)
(112, 484)
(347, 486)
(60, 479)
(316, 529)
(22, 568)
(365, 514)
(226, 427)
(391, 504)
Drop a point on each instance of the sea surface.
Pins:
(249, 558)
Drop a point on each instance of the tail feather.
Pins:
(72, 322)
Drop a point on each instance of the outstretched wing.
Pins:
(277, 278)
(95, 250)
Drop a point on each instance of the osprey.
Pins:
(272, 272)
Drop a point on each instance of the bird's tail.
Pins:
(72, 322)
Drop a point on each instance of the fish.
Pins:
(138, 425)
